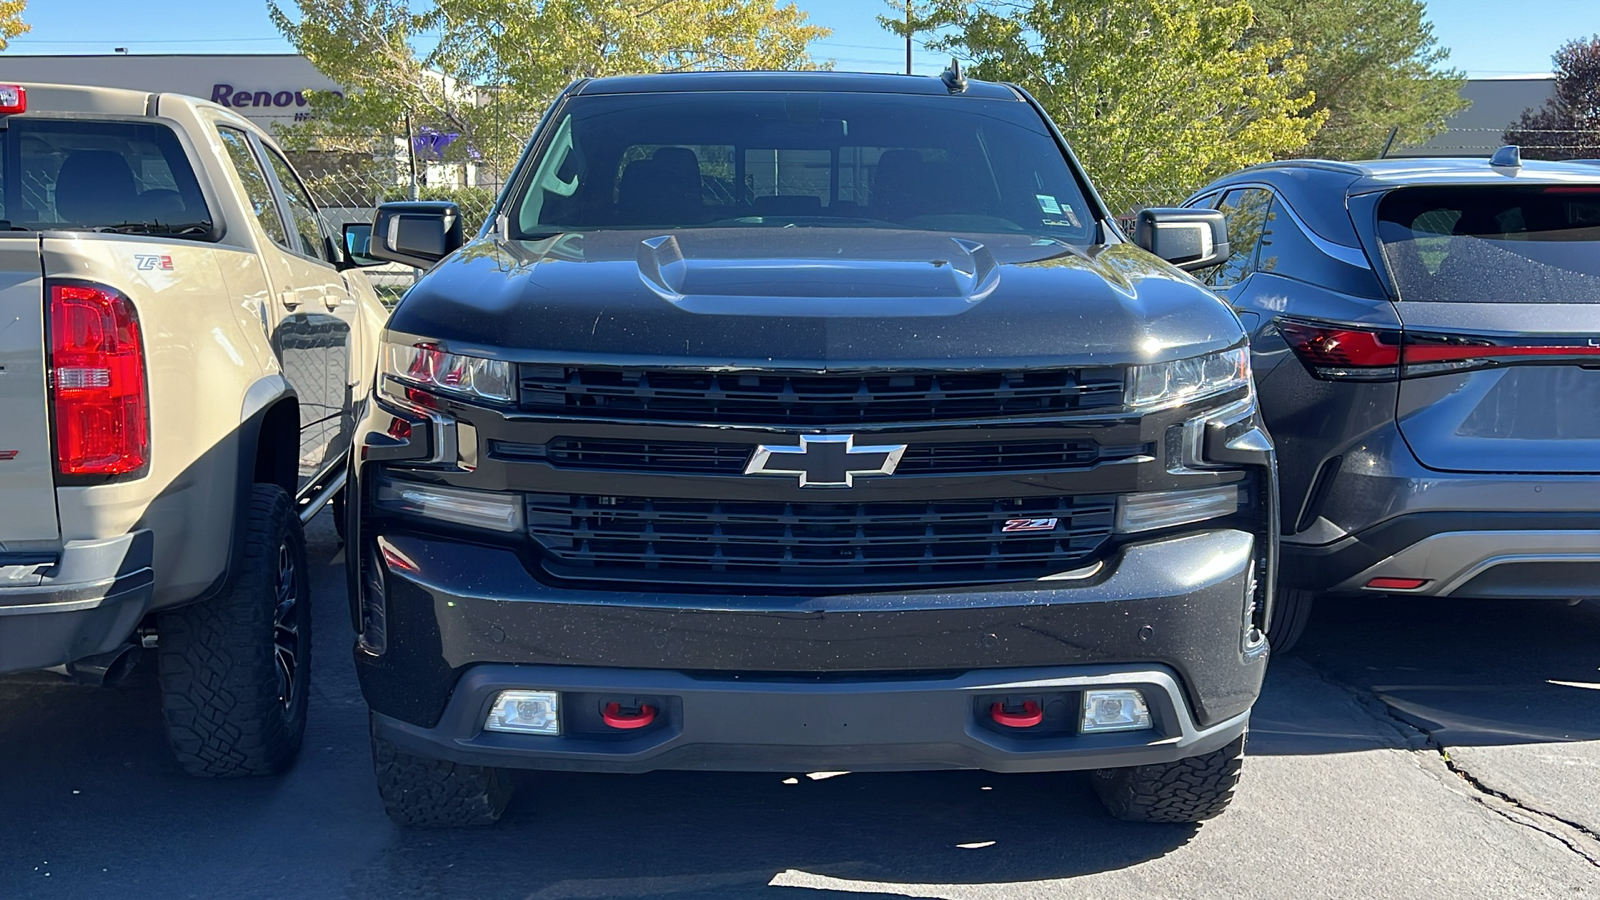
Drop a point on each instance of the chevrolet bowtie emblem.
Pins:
(825, 460)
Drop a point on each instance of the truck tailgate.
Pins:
(27, 483)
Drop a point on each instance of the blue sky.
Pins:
(1487, 38)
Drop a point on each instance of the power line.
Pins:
(121, 42)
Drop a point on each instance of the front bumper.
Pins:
(1169, 613)
(726, 723)
(88, 601)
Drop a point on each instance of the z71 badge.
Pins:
(1030, 525)
(151, 262)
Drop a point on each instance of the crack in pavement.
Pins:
(1416, 737)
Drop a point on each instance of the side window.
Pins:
(256, 187)
(1248, 212)
(308, 230)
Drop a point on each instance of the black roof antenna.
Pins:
(1507, 157)
(954, 81)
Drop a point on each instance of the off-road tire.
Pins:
(433, 793)
(1290, 613)
(221, 689)
(1189, 790)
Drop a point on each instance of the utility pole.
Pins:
(908, 37)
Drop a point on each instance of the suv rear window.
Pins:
(1493, 244)
(750, 159)
(130, 177)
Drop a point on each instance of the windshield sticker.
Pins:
(1048, 204)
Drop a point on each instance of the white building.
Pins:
(267, 88)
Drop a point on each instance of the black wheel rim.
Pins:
(286, 625)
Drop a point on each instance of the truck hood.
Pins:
(813, 298)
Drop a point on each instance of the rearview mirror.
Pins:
(358, 243)
(416, 233)
(1188, 238)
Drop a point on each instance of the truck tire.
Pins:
(1290, 612)
(236, 669)
(433, 793)
(1189, 790)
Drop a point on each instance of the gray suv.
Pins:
(1426, 342)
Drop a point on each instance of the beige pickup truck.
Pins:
(182, 341)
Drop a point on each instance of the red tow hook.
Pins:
(615, 716)
(1010, 716)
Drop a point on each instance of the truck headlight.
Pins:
(1180, 381)
(430, 368)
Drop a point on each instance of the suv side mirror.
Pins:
(1188, 238)
(416, 233)
(358, 245)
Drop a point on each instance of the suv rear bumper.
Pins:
(1497, 555)
(737, 724)
(88, 602)
(1168, 613)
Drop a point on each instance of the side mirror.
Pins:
(358, 245)
(1188, 238)
(417, 233)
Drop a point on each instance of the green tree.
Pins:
(1567, 126)
(494, 65)
(1156, 96)
(11, 23)
(1373, 65)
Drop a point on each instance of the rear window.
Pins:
(71, 174)
(1493, 244)
(746, 159)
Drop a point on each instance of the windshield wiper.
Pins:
(181, 229)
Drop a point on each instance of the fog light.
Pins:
(525, 712)
(1118, 710)
(1165, 509)
(479, 509)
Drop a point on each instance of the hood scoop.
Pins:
(960, 274)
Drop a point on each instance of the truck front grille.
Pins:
(675, 395)
(707, 458)
(809, 545)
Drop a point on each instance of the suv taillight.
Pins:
(1355, 353)
(1343, 352)
(101, 404)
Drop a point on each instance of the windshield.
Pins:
(1494, 244)
(695, 160)
(121, 176)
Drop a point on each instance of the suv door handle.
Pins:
(332, 299)
(291, 300)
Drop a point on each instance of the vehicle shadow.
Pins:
(730, 835)
(1469, 672)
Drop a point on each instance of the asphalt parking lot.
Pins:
(1416, 749)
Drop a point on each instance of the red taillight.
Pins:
(1341, 352)
(1396, 584)
(13, 99)
(97, 380)
(1432, 354)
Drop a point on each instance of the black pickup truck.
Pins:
(808, 421)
